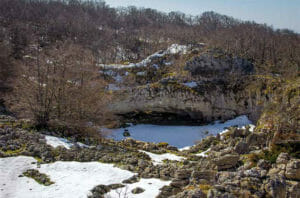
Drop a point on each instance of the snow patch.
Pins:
(113, 87)
(151, 187)
(185, 148)
(57, 141)
(203, 154)
(190, 84)
(173, 49)
(158, 158)
(141, 73)
(72, 179)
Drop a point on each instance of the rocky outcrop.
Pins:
(215, 65)
(223, 172)
(293, 170)
(218, 94)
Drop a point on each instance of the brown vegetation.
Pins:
(60, 83)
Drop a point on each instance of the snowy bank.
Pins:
(151, 187)
(159, 158)
(173, 49)
(56, 141)
(203, 154)
(190, 84)
(72, 179)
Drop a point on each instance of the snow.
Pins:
(158, 158)
(168, 63)
(118, 78)
(185, 148)
(113, 87)
(151, 187)
(179, 136)
(203, 154)
(141, 73)
(155, 66)
(56, 141)
(173, 49)
(251, 129)
(108, 72)
(72, 179)
(190, 84)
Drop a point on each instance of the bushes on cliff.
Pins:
(281, 117)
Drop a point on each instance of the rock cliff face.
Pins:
(216, 91)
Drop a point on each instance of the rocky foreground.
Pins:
(237, 163)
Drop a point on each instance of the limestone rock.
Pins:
(183, 174)
(131, 180)
(256, 139)
(276, 187)
(190, 194)
(283, 158)
(226, 161)
(207, 175)
(293, 170)
(178, 183)
(137, 190)
(263, 164)
(241, 147)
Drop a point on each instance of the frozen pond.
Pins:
(179, 136)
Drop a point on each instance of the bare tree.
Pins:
(61, 83)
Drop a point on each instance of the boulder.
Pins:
(255, 172)
(99, 191)
(137, 190)
(190, 194)
(167, 191)
(241, 147)
(293, 170)
(207, 175)
(294, 190)
(256, 139)
(131, 180)
(178, 183)
(183, 174)
(115, 186)
(282, 158)
(276, 187)
(226, 161)
(263, 164)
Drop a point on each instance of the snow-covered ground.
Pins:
(190, 84)
(151, 187)
(158, 158)
(251, 129)
(179, 136)
(56, 141)
(204, 153)
(113, 87)
(173, 49)
(184, 148)
(72, 179)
